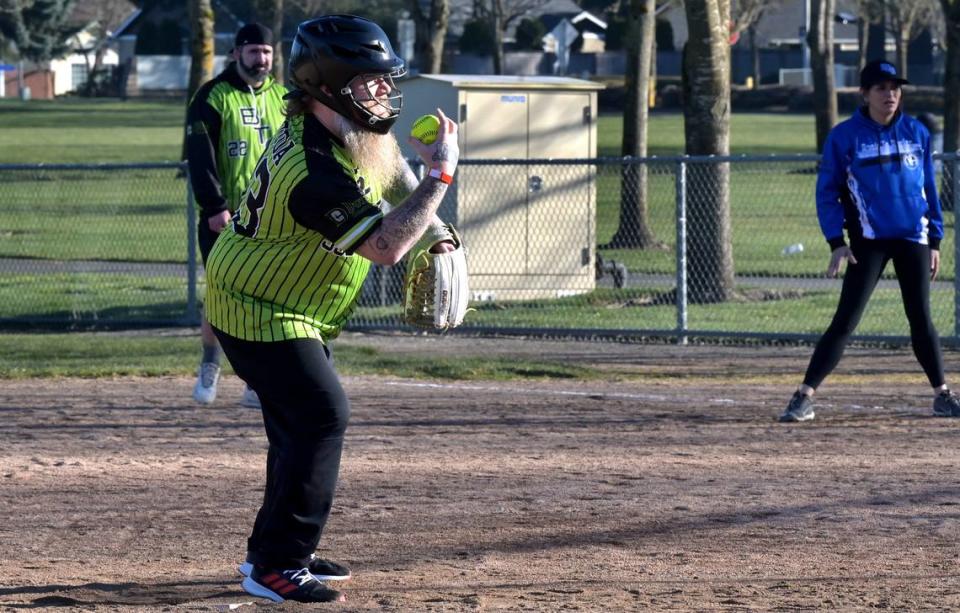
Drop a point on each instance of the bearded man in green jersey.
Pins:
(285, 276)
(229, 122)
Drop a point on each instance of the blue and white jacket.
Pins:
(878, 182)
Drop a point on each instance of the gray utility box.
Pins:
(530, 229)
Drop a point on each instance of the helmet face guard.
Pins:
(348, 64)
(375, 100)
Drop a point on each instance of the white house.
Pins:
(71, 73)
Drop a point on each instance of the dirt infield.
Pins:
(673, 490)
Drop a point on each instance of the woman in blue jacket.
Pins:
(876, 179)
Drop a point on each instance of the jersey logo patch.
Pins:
(911, 160)
(249, 116)
(337, 216)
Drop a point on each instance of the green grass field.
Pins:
(90, 131)
(139, 216)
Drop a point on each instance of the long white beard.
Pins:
(377, 155)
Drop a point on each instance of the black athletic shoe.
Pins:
(946, 404)
(294, 584)
(799, 409)
(324, 570)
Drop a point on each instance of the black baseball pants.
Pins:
(305, 414)
(911, 261)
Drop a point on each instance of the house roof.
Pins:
(582, 21)
(108, 14)
(780, 24)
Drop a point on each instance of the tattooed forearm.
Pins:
(401, 228)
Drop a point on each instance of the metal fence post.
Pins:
(191, 316)
(680, 178)
(955, 197)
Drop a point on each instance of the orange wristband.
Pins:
(439, 175)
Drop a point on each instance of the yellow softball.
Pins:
(425, 129)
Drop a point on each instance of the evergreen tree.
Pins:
(12, 30)
(48, 34)
(477, 38)
(529, 35)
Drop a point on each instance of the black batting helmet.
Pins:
(348, 55)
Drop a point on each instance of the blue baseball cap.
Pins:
(879, 71)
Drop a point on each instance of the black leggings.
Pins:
(305, 413)
(911, 261)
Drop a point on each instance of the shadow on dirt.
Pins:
(124, 594)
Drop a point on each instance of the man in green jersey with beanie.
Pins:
(284, 277)
(229, 122)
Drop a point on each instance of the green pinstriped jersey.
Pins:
(285, 269)
(236, 122)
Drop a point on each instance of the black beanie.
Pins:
(253, 34)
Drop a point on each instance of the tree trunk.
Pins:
(951, 98)
(706, 114)
(201, 51)
(276, 24)
(634, 229)
(754, 55)
(863, 42)
(439, 21)
(951, 77)
(496, 20)
(820, 41)
(431, 32)
(903, 42)
(201, 45)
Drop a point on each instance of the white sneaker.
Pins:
(249, 398)
(205, 391)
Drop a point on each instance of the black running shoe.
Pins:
(324, 570)
(295, 584)
(946, 404)
(799, 409)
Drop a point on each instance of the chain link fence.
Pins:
(93, 245)
(674, 247)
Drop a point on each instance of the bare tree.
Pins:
(706, 114)
(744, 15)
(500, 14)
(102, 18)
(906, 19)
(820, 41)
(431, 22)
(869, 12)
(951, 77)
(634, 230)
(201, 44)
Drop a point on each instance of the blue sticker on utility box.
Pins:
(521, 98)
